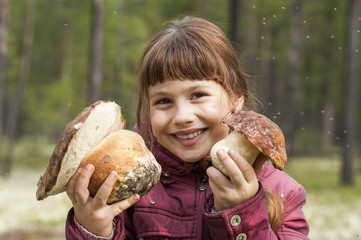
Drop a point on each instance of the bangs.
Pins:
(188, 49)
(180, 57)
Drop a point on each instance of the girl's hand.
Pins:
(242, 184)
(93, 213)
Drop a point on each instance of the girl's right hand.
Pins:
(93, 213)
(242, 183)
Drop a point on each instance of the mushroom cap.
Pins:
(125, 152)
(262, 132)
(79, 137)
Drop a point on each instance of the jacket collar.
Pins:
(174, 165)
(171, 163)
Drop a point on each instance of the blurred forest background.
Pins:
(303, 60)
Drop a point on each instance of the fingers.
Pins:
(240, 171)
(230, 164)
(248, 172)
(125, 204)
(216, 178)
(104, 191)
(100, 199)
(81, 191)
(70, 187)
(243, 185)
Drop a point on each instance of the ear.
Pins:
(239, 101)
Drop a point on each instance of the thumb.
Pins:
(123, 205)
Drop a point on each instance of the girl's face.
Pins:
(186, 116)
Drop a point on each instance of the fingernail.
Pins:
(89, 167)
(136, 197)
(221, 152)
(113, 174)
(231, 152)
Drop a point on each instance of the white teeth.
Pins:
(189, 136)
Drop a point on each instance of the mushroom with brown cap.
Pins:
(97, 136)
(252, 134)
(125, 152)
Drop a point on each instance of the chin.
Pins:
(193, 158)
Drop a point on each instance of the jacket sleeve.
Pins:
(75, 232)
(250, 220)
(294, 225)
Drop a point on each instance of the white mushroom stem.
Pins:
(236, 141)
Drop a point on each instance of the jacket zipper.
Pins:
(203, 191)
(204, 183)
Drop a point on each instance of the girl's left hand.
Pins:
(242, 184)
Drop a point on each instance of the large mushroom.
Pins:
(252, 134)
(97, 136)
(125, 152)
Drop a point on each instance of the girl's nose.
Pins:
(183, 114)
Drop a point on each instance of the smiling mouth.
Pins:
(190, 135)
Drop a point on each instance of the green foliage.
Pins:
(58, 80)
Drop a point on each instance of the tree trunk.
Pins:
(328, 125)
(96, 52)
(235, 27)
(352, 25)
(266, 91)
(250, 38)
(120, 56)
(4, 24)
(294, 62)
(16, 103)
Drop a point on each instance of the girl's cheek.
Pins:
(157, 122)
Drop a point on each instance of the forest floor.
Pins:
(25, 218)
(333, 211)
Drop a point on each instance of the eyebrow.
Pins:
(158, 93)
(164, 92)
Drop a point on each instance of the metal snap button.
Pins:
(241, 236)
(235, 220)
(152, 202)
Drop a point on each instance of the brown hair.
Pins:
(188, 49)
(275, 208)
(191, 48)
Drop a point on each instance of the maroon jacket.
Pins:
(180, 205)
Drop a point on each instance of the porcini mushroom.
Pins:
(125, 152)
(252, 134)
(95, 136)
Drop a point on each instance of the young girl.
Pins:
(189, 80)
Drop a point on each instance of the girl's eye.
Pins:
(197, 95)
(163, 101)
